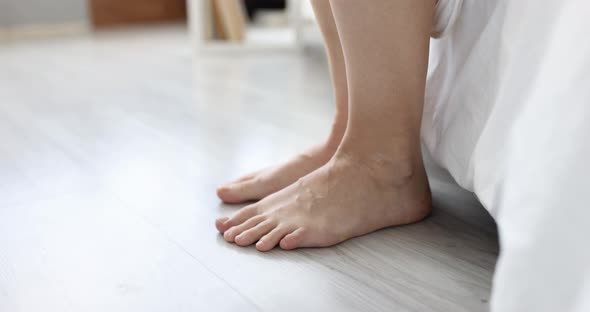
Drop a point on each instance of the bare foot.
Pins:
(343, 199)
(262, 183)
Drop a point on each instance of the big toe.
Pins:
(227, 194)
(293, 240)
(239, 192)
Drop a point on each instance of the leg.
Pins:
(376, 178)
(262, 183)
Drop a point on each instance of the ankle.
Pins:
(396, 170)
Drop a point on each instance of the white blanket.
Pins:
(508, 114)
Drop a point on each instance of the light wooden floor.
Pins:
(110, 151)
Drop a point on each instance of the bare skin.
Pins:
(376, 177)
(327, 207)
(259, 184)
(262, 183)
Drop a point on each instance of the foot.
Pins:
(343, 199)
(260, 184)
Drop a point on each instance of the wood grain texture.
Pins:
(111, 148)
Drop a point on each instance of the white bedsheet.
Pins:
(508, 115)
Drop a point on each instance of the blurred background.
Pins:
(140, 57)
(247, 22)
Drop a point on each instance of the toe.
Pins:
(247, 177)
(250, 236)
(219, 224)
(293, 240)
(270, 240)
(226, 194)
(240, 192)
(241, 179)
(230, 235)
(223, 224)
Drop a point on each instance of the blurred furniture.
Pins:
(286, 38)
(228, 20)
(252, 6)
(117, 12)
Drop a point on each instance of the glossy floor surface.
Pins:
(111, 147)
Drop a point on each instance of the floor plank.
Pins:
(84, 253)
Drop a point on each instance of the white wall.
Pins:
(4, 16)
(42, 12)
